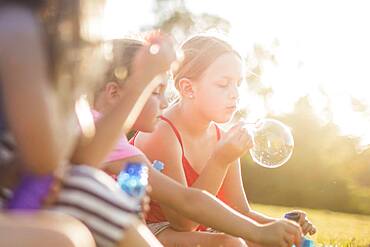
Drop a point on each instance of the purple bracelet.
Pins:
(30, 192)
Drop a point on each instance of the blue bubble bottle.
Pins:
(133, 180)
(305, 241)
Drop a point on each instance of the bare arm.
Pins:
(43, 228)
(208, 210)
(163, 145)
(30, 105)
(139, 235)
(235, 194)
(201, 206)
(204, 208)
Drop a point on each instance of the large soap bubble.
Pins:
(273, 143)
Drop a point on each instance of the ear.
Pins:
(112, 90)
(186, 88)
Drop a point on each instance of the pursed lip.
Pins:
(233, 107)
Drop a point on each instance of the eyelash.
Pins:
(223, 84)
(228, 83)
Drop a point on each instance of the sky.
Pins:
(323, 51)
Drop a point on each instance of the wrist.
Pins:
(255, 234)
(217, 162)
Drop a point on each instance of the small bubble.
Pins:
(121, 73)
(154, 49)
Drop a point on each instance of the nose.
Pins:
(163, 102)
(234, 93)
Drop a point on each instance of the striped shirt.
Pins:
(94, 198)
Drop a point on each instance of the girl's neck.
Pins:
(191, 120)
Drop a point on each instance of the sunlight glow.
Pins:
(321, 50)
(84, 116)
(126, 17)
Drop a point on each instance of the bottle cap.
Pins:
(158, 165)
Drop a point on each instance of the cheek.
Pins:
(148, 116)
(213, 98)
(151, 109)
(213, 105)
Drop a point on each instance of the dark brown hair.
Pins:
(33, 4)
(124, 52)
(120, 66)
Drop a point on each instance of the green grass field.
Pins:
(334, 229)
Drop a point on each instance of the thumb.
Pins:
(236, 127)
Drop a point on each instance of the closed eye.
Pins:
(223, 83)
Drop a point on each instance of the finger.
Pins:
(241, 133)
(148, 189)
(302, 218)
(312, 230)
(306, 227)
(146, 200)
(296, 237)
(146, 208)
(293, 229)
(291, 226)
(250, 143)
(289, 240)
(234, 131)
(237, 127)
(243, 136)
(141, 217)
(297, 241)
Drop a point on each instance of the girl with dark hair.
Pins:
(46, 49)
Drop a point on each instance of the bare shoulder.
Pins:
(162, 144)
(162, 136)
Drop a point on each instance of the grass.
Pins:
(334, 229)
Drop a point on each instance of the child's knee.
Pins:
(225, 240)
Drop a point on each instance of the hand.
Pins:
(280, 233)
(53, 193)
(154, 58)
(232, 145)
(306, 225)
(145, 204)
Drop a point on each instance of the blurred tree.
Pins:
(317, 175)
(325, 171)
(173, 17)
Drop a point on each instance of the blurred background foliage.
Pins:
(326, 171)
